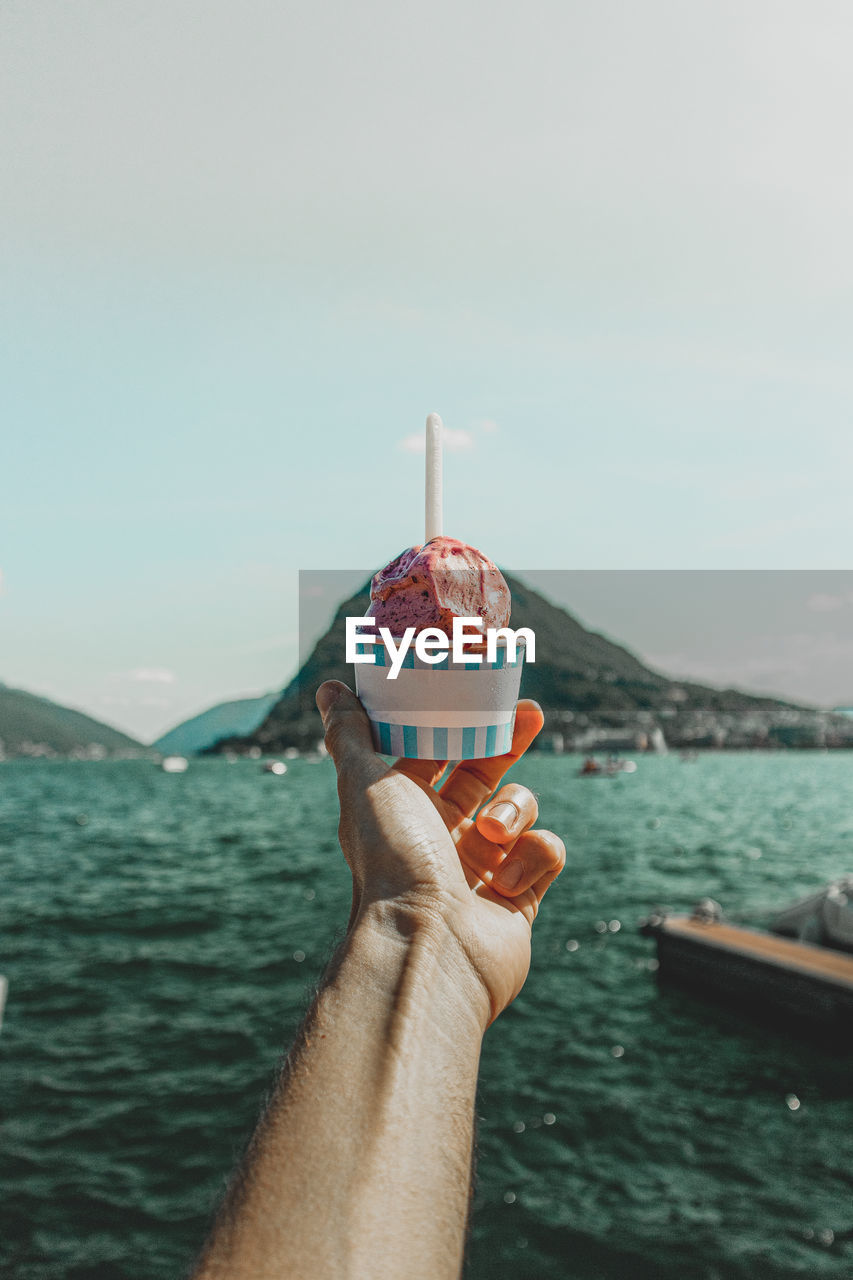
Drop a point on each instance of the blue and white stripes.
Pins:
(440, 711)
(433, 742)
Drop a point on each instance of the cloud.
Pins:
(488, 426)
(457, 441)
(822, 603)
(151, 675)
(454, 441)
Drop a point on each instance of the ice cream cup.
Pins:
(443, 711)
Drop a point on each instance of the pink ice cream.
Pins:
(431, 585)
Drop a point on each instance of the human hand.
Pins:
(461, 858)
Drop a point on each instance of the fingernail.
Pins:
(326, 697)
(505, 813)
(509, 874)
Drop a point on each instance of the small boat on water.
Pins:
(278, 767)
(174, 764)
(800, 969)
(613, 765)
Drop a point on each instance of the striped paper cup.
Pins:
(442, 711)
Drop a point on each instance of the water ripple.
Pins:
(162, 936)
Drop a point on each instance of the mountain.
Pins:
(33, 726)
(593, 692)
(228, 719)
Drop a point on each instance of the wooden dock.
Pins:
(748, 967)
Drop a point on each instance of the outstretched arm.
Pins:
(361, 1164)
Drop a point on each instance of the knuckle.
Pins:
(340, 728)
(550, 852)
(523, 798)
(476, 774)
(334, 734)
(558, 850)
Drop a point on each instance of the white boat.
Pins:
(278, 767)
(174, 764)
(824, 918)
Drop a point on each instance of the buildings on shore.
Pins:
(694, 728)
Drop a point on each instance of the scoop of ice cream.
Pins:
(431, 585)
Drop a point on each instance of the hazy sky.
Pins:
(245, 248)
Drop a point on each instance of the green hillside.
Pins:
(34, 726)
(223, 720)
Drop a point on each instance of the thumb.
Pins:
(347, 727)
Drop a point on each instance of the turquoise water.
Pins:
(161, 935)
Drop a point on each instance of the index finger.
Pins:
(473, 781)
(427, 771)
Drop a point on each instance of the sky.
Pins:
(245, 249)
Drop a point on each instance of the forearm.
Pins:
(361, 1166)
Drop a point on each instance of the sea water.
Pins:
(162, 934)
